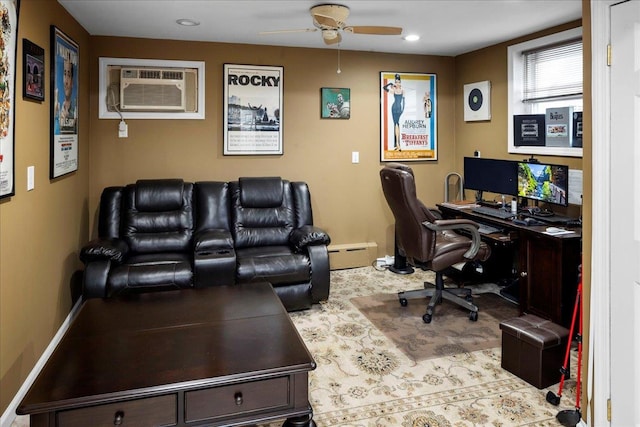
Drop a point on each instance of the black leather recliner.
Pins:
(275, 239)
(169, 234)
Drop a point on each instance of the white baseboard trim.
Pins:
(10, 414)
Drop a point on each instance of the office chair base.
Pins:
(459, 296)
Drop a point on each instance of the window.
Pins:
(545, 73)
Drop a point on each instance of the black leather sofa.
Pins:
(168, 234)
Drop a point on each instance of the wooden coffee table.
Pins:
(219, 356)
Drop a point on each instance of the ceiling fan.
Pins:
(330, 19)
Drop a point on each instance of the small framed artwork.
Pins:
(408, 117)
(65, 59)
(252, 109)
(33, 71)
(335, 103)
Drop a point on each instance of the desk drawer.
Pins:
(154, 411)
(236, 399)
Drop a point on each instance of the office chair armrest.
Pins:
(459, 224)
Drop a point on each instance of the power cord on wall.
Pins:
(113, 103)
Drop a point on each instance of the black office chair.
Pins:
(430, 243)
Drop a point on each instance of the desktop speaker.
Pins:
(477, 105)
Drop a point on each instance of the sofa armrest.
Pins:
(308, 235)
(94, 279)
(214, 258)
(104, 249)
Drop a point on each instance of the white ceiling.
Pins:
(446, 27)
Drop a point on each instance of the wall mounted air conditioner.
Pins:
(153, 89)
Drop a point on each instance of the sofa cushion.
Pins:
(159, 195)
(146, 272)
(274, 264)
(261, 192)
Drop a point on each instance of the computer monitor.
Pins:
(492, 175)
(544, 182)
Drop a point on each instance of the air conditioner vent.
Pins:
(152, 89)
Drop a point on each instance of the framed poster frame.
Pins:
(335, 103)
(65, 61)
(33, 74)
(408, 117)
(9, 47)
(252, 106)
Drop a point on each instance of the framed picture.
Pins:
(252, 110)
(32, 71)
(65, 60)
(8, 49)
(335, 103)
(408, 117)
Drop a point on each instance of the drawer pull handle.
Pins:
(118, 419)
(523, 274)
(238, 398)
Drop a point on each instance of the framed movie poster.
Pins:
(408, 117)
(252, 110)
(8, 48)
(335, 103)
(33, 71)
(64, 104)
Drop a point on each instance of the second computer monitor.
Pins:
(491, 175)
(544, 182)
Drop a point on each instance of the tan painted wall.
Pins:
(347, 199)
(40, 230)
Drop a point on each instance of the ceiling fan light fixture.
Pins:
(185, 22)
(411, 37)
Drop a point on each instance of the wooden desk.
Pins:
(546, 265)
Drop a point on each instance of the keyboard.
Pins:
(496, 213)
(487, 229)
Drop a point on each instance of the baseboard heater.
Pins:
(352, 255)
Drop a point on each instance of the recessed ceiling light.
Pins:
(188, 22)
(412, 37)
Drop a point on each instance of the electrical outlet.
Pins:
(123, 129)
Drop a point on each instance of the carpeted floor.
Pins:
(368, 377)
(364, 379)
(451, 333)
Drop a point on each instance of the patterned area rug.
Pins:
(449, 333)
(364, 380)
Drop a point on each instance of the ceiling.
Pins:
(446, 27)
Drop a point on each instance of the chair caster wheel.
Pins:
(426, 318)
(473, 316)
(403, 302)
(468, 298)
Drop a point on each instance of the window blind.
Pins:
(553, 72)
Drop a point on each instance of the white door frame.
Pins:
(599, 379)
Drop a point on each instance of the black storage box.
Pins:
(534, 349)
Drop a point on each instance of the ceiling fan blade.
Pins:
(302, 30)
(372, 29)
(325, 21)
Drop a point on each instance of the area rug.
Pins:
(363, 379)
(450, 331)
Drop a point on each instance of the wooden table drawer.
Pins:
(236, 399)
(152, 412)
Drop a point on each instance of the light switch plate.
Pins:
(355, 157)
(31, 177)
